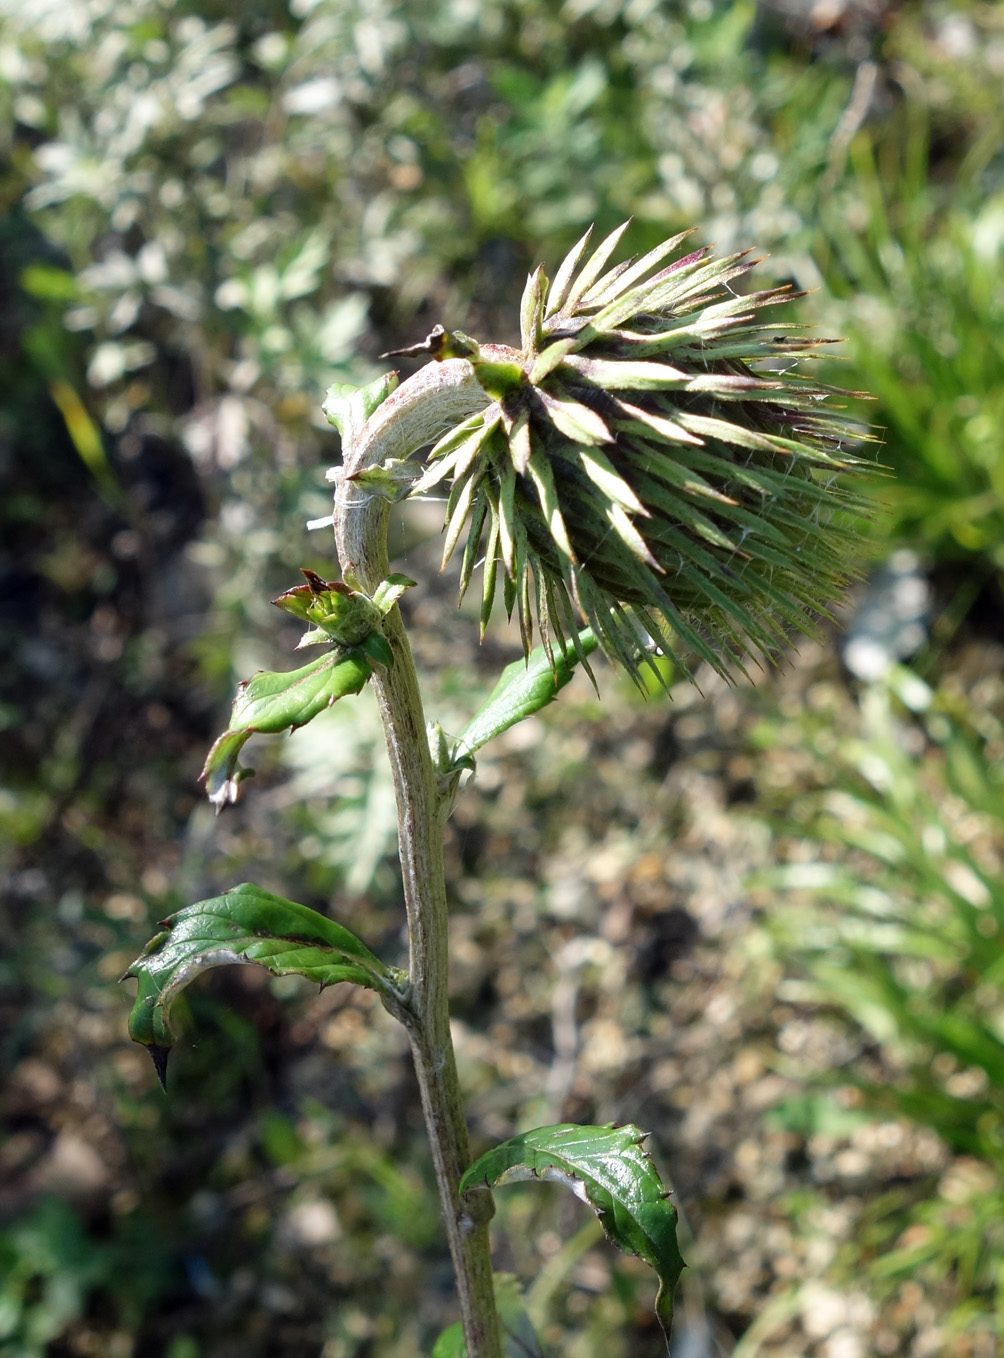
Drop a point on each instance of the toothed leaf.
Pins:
(607, 1168)
(269, 703)
(244, 925)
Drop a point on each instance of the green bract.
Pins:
(652, 462)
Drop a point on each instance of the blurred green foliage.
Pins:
(922, 307)
(893, 914)
(209, 215)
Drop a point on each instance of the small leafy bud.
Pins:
(339, 614)
(269, 703)
(348, 407)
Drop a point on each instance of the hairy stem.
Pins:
(440, 394)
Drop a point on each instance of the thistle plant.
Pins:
(651, 474)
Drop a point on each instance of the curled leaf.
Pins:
(607, 1168)
(269, 703)
(244, 925)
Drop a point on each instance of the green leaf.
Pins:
(394, 478)
(600, 471)
(616, 374)
(594, 266)
(348, 407)
(559, 289)
(498, 377)
(539, 469)
(616, 282)
(450, 1343)
(519, 1339)
(269, 703)
(607, 1168)
(550, 358)
(524, 687)
(387, 593)
(377, 648)
(245, 924)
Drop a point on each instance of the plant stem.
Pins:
(437, 395)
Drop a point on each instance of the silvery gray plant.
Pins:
(651, 474)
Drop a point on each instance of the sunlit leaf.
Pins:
(244, 925)
(348, 407)
(269, 703)
(524, 687)
(607, 1168)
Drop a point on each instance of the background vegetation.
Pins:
(764, 922)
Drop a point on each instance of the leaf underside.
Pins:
(272, 702)
(244, 925)
(607, 1168)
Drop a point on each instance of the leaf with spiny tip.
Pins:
(543, 479)
(244, 925)
(507, 521)
(521, 583)
(159, 1057)
(668, 430)
(600, 470)
(550, 358)
(606, 1168)
(619, 280)
(490, 572)
(616, 374)
(269, 703)
(440, 344)
(524, 687)
(438, 471)
(631, 537)
(473, 544)
(671, 291)
(458, 507)
(453, 438)
(520, 444)
(733, 386)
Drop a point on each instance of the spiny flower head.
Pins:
(651, 462)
